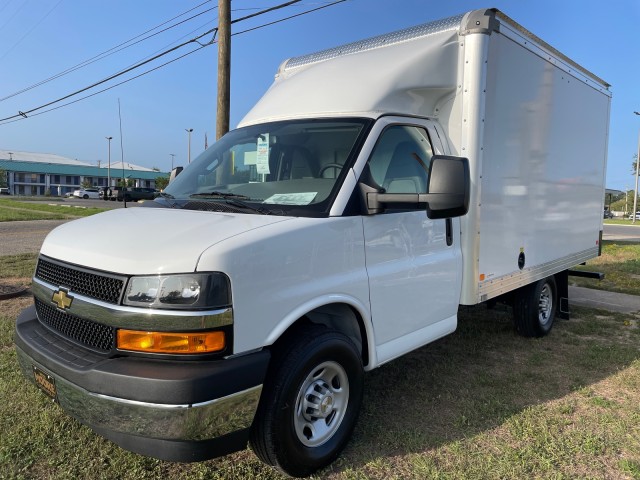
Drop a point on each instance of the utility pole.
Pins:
(172, 156)
(224, 67)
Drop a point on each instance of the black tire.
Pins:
(534, 308)
(85, 196)
(310, 401)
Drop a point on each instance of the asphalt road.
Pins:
(27, 237)
(629, 233)
(90, 202)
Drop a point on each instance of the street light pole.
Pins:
(172, 155)
(635, 196)
(189, 130)
(109, 165)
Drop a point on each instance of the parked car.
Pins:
(608, 214)
(87, 193)
(4, 191)
(132, 194)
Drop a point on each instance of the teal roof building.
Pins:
(47, 174)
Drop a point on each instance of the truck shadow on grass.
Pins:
(478, 379)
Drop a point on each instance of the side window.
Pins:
(400, 160)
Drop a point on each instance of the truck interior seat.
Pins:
(405, 174)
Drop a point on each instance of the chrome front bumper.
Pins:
(172, 410)
(197, 421)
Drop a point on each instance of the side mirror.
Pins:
(448, 186)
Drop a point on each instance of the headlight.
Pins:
(184, 291)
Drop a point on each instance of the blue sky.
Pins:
(41, 38)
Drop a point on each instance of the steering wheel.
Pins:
(328, 166)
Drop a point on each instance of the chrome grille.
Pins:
(94, 285)
(90, 334)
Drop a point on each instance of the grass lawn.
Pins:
(481, 403)
(620, 262)
(620, 221)
(11, 210)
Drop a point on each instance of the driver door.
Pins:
(413, 262)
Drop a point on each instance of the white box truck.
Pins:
(374, 189)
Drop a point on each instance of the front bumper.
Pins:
(172, 410)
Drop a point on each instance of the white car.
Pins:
(87, 193)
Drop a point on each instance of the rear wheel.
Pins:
(310, 404)
(534, 308)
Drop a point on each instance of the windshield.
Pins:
(290, 167)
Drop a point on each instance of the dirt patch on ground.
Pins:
(11, 289)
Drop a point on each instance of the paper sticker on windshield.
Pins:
(304, 198)
(262, 154)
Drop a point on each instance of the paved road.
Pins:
(629, 233)
(25, 237)
(90, 202)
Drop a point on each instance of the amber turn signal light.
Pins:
(171, 342)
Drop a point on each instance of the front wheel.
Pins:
(534, 308)
(310, 404)
(85, 196)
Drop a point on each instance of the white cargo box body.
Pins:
(533, 124)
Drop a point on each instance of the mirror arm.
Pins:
(370, 195)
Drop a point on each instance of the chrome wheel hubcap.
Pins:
(321, 404)
(545, 305)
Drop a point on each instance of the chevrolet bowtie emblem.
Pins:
(62, 298)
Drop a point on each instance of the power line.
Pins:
(30, 30)
(115, 49)
(289, 17)
(123, 45)
(104, 80)
(108, 88)
(24, 115)
(16, 12)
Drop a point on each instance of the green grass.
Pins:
(482, 403)
(18, 266)
(12, 210)
(620, 221)
(620, 262)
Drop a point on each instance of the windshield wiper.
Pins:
(221, 194)
(235, 200)
(171, 200)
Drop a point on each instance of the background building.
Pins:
(44, 173)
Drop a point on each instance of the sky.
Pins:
(40, 39)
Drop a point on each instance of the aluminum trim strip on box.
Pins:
(418, 31)
(495, 287)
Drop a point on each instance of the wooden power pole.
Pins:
(224, 67)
